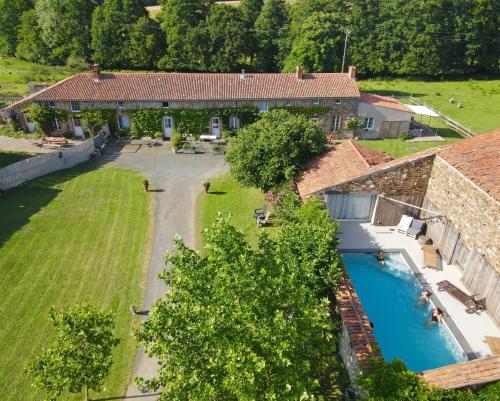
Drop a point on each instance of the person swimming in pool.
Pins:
(380, 257)
(425, 296)
(437, 315)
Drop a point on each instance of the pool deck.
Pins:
(473, 327)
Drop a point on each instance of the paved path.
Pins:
(21, 145)
(177, 180)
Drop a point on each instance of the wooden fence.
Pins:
(448, 120)
(25, 170)
(388, 213)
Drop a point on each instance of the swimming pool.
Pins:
(389, 294)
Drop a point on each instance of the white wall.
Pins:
(380, 114)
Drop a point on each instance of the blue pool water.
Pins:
(389, 295)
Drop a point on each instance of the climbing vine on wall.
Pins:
(187, 121)
(94, 119)
(305, 111)
(43, 116)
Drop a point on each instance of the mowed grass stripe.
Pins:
(81, 236)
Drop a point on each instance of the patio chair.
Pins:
(263, 220)
(260, 212)
(416, 228)
(471, 304)
(430, 257)
(404, 224)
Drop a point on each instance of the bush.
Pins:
(38, 134)
(285, 202)
(158, 135)
(405, 137)
(352, 123)
(68, 134)
(274, 149)
(176, 139)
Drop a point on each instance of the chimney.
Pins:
(299, 72)
(242, 76)
(352, 72)
(96, 72)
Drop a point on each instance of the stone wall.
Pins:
(468, 208)
(410, 178)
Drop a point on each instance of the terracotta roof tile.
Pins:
(465, 374)
(478, 159)
(384, 101)
(199, 86)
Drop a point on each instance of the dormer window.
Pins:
(316, 102)
(52, 105)
(165, 105)
(75, 106)
(120, 105)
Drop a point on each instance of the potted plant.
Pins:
(158, 135)
(175, 141)
(145, 184)
(206, 186)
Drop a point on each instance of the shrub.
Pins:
(274, 149)
(206, 186)
(145, 184)
(176, 139)
(285, 202)
(405, 137)
(218, 148)
(67, 134)
(38, 134)
(353, 122)
(158, 135)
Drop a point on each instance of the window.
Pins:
(233, 123)
(338, 101)
(52, 105)
(315, 118)
(288, 103)
(336, 123)
(165, 105)
(55, 124)
(120, 105)
(316, 101)
(368, 123)
(263, 107)
(123, 122)
(75, 106)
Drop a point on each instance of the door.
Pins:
(77, 126)
(216, 126)
(30, 124)
(168, 126)
(351, 206)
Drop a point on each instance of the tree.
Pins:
(319, 44)
(146, 45)
(10, 15)
(65, 27)
(186, 37)
(238, 324)
(271, 30)
(114, 24)
(227, 36)
(29, 45)
(274, 149)
(80, 354)
(250, 10)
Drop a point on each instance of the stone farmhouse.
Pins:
(328, 98)
(455, 188)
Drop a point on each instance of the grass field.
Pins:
(229, 197)
(15, 75)
(7, 158)
(79, 235)
(480, 98)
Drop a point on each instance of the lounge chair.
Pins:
(263, 220)
(404, 224)
(471, 305)
(430, 257)
(260, 212)
(416, 228)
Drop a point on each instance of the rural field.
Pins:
(227, 196)
(78, 235)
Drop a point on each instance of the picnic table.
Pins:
(54, 141)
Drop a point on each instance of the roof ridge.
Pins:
(358, 152)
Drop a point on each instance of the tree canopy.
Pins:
(79, 357)
(274, 149)
(241, 323)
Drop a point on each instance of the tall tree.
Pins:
(227, 37)
(112, 27)
(251, 10)
(29, 44)
(10, 14)
(146, 43)
(79, 357)
(238, 324)
(186, 36)
(272, 29)
(65, 27)
(318, 44)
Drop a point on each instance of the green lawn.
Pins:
(480, 98)
(229, 197)
(79, 235)
(15, 75)
(7, 158)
